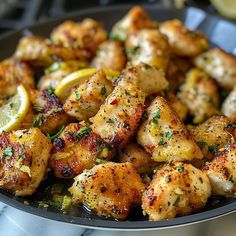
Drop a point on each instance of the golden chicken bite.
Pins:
(85, 100)
(183, 42)
(135, 20)
(148, 46)
(212, 135)
(77, 148)
(228, 107)
(200, 94)
(13, 73)
(177, 189)
(42, 52)
(222, 172)
(118, 118)
(49, 113)
(110, 189)
(219, 65)
(87, 34)
(138, 157)
(164, 135)
(23, 160)
(110, 55)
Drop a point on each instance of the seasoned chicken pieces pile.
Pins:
(149, 123)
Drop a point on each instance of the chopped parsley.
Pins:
(22, 155)
(156, 116)
(176, 200)
(192, 34)
(110, 121)
(115, 37)
(161, 141)
(132, 51)
(51, 91)
(37, 108)
(180, 169)
(38, 121)
(11, 105)
(103, 90)
(231, 126)
(144, 116)
(77, 96)
(8, 152)
(201, 144)
(212, 148)
(169, 135)
(82, 132)
(52, 138)
(167, 179)
(54, 67)
(127, 93)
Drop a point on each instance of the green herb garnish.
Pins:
(8, 152)
(132, 51)
(103, 90)
(22, 155)
(169, 135)
(127, 93)
(52, 138)
(38, 120)
(77, 96)
(180, 169)
(37, 108)
(231, 126)
(116, 37)
(156, 116)
(212, 148)
(82, 132)
(201, 144)
(176, 200)
(51, 91)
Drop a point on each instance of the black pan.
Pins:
(219, 31)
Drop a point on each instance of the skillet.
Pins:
(219, 31)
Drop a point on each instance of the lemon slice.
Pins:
(14, 110)
(226, 8)
(78, 77)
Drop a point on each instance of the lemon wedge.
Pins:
(227, 7)
(78, 77)
(14, 110)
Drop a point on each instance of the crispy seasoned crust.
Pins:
(77, 149)
(110, 189)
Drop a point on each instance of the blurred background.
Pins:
(15, 14)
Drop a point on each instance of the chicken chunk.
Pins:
(229, 106)
(200, 94)
(164, 135)
(110, 189)
(110, 55)
(58, 71)
(220, 66)
(212, 135)
(23, 160)
(50, 116)
(183, 41)
(222, 172)
(87, 34)
(148, 46)
(12, 74)
(135, 20)
(177, 189)
(76, 149)
(42, 52)
(118, 118)
(148, 78)
(85, 101)
(138, 157)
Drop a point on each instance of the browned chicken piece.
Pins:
(147, 78)
(212, 135)
(12, 74)
(219, 65)
(183, 41)
(110, 189)
(148, 46)
(50, 116)
(135, 20)
(85, 101)
(110, 55)
(200, 94)
(222, 172)
(180, 108)
(177, 189)
(58, 71)
(118, 118)
(42, 52)
(23, 160)
(228, 107)
(87, 34)
(164, 135)
(138, 157)
(76, 149)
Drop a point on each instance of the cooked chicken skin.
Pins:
(200, 94)
(148, 78)
(135, 20)
(77, 149)
(148, 46)
(110, 189)
(118, 118)
(220, 66)
(50, 116)
(110, 55)
(85, 101)
(222, 172)
(12, 74)
(87, 34)
(177, 189)
(183, 41)
(164, 135)
(212, 135)
(138, 157)
(42, 52)
(229, 106)
(23, 160)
